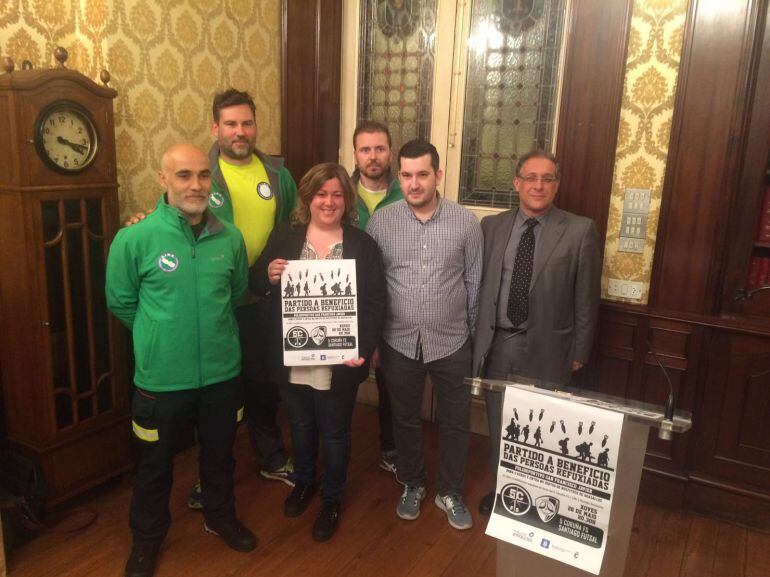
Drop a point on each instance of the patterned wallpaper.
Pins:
(167, 60)
(652, 66)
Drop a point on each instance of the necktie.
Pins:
(518, 297)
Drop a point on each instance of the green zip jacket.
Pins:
(394, 194)
(177, 295)
(281, 183)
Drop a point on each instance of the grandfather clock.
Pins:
(62, 360)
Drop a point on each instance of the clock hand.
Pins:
(76, 147)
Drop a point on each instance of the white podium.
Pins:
(638, 418)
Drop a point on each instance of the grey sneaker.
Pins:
(409, 505)
(284, 474)
(456, 512)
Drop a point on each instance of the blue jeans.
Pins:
(327, 414)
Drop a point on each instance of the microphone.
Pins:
(476, 386)
(667, 426)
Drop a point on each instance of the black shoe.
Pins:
(326, 524)
(298, 500)
(234, 533)
(141, 561)
(487, 503)
(195, 498)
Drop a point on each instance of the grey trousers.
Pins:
(505, 359)
(405, 382)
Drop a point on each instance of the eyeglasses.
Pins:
(533, 178)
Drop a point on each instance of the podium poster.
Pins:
(556, 477)
(319, 311)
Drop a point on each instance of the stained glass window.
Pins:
(510, 95)
(397, 54)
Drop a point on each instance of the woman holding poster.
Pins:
(320, 398)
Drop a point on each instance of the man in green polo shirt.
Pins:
(377, 187)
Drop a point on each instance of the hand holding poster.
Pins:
(556, 477)
(319, 311)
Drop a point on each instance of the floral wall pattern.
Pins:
(652, 67)
(167, 59)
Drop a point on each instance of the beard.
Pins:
(240, 153)
(373, 170)
(423, 200)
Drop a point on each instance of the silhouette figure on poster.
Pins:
(525, 432)
(563, 446)
(538, 437)
(584, 451)
(511, 432)
(603, 459)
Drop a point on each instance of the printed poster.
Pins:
(320, 316)
(556, 477)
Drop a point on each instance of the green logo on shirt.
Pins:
(216, 200)
(168, 262)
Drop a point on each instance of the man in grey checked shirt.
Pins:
(432, 253)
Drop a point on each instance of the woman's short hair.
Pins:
(312, 182)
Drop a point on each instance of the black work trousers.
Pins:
(158, 420)
(261, 392)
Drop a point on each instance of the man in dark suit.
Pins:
(539, 291)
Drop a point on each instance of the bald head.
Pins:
(186, 176)
(181, 151)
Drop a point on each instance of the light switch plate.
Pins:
(626, 289)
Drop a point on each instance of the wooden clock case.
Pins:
(62, 356)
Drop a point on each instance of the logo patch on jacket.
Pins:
(216, 200)
(264, 190)
(168, 262)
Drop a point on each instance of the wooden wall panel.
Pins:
(590, 107)
(745, 213)
(704, 152)
(734, 431)
(312, 44)
(627, 369)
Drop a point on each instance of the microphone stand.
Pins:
(476, 385)
(667, 426)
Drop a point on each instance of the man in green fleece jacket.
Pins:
(174, 280)
(376, 186)
(254, 192)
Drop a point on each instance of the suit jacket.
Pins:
(563, 298)
(286, 242)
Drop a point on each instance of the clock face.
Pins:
(65, 137)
